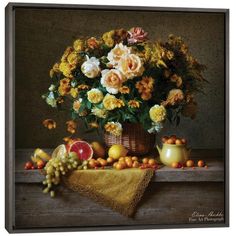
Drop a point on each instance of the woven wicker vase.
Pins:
(137, 140)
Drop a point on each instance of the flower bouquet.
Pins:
(124, 78)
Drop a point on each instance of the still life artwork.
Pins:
(116, 138)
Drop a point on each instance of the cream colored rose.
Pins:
(116, 53)
(95, 95)
(131, 66)
(90, 67)
(101, 113)
(157, 113)
(112, 80)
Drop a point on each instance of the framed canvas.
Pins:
(116, 117)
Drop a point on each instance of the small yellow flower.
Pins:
(108, 38)
(55, 69)
(114, 128)
(77, 105)
(110, 102)
(124, 90)
(74, 92)
(73, 58)
(133, 104)
(66, 53)
(119, 103)
(49, 124)
(157, 113)
(71, 126)
(66, 69)
(95, 95)
(101, 113)
(83, 87)
(78, 45)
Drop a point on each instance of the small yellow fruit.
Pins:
(119, 166)
(116, 151)
(145, 160)
(134, 158)
(98, 150)
(175, 165)
(135, 164)
(152, 161)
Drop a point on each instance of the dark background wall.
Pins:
(42, 35)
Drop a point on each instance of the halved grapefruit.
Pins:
(83, 150)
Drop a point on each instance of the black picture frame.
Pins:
(10, 114)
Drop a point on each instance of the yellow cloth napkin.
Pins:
(119, 190)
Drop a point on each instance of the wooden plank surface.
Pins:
(162, 203)
(214, 172)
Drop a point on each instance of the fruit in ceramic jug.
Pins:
(178, 142)
(164, 139)
(116, 151)
(98, 150)
(145, 160)
(201, 163)
(83, 150)
(189, 163)
(170, 141)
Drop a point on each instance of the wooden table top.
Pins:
(213, 157)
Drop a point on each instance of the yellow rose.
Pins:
(157, 113)
(95, 95)
(78, 45)
(112, 80)
(131, 66)
(116, 53)
(108, 38)
(110, 102)
(174, 97)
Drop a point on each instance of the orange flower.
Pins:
(133, 104)
(119, 103)
(71, 126)
(49, 124)
(92, 43)
(174, 97)
(64, 87)
(124, 90)
(83, 87)
(145, 87)
(177, 79)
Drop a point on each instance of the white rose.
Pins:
(112, 80)
(90, 67)
(116, 53)
(131, 66)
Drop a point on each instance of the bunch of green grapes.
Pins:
(57, 167)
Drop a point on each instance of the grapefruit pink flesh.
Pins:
(83, 150)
